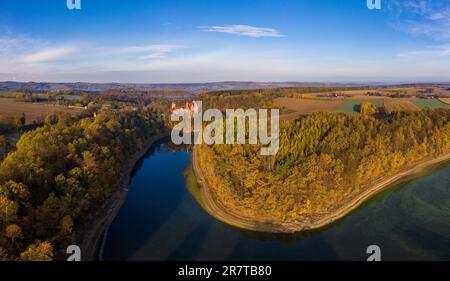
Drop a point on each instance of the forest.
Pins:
(60, 173)
(324, 159)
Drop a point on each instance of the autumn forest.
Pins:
(324, 160)
(58, 175)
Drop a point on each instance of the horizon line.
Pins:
(235, 81)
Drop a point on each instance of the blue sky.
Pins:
(217, 40)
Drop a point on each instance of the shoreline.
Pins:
(233, 218)
(94, 236)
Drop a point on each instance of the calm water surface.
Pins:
(161, 220)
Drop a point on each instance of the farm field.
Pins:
(408, 91)
(429, 103)
(362, 94)
(445, 100)
(305, 106)
(71, 97)
(392, 105)
(443, 91)
(352, 106)
(33, 111)
(364, 97)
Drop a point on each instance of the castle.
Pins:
(191, 108)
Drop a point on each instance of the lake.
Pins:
(161, 220)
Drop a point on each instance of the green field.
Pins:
(429, 103)
(71, 97)
(352, 106)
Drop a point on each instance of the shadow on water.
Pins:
(159, 146)
(279, 237)
(188, 248)
(142, 212)
(422, 239)
(403, 183)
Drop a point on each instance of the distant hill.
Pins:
(189, 88)
(215, 86)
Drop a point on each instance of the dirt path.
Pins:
(217, 210)
(94, 235)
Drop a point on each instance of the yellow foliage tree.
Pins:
(13, 231)
(367, 108)
(38, 252)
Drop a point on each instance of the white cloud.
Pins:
(243, 30)
(49, 55)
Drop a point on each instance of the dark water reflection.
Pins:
(161, 220)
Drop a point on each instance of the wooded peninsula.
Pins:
(327, 165)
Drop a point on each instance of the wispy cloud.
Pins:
(243, 30)
(49, 55)
(150, 51)
(24, 57)
(429, 52)
(430, 18)
(17, 43)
